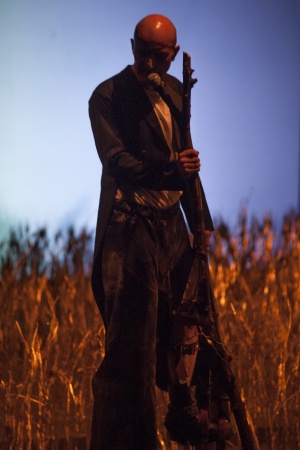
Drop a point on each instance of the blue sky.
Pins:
(245, 106)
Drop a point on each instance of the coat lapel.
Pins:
(154, 123)
(177, 101)
(143, 104)
(145, 110)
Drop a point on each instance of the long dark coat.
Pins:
(133, 151)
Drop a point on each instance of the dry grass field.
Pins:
(51, 335)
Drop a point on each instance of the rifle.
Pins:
(198, 303)
(199, 300)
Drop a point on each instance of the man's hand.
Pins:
(188, 162)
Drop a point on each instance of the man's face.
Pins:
(152, 58)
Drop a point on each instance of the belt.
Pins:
(147, 211)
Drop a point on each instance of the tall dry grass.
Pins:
(51, 340)
(51, 335)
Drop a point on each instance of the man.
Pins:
(142, 250)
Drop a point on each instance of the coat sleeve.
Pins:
(140, 167)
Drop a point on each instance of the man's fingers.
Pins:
(190, 152)
(189, 161)
(191, 164)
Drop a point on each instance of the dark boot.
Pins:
(187, 424)
(183, 419)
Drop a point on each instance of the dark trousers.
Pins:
(145, 263)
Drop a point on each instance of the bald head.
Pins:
(156, 29)
(154, 46)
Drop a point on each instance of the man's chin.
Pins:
(144, 77)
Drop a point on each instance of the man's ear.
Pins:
(176, 50)
(132, 44)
